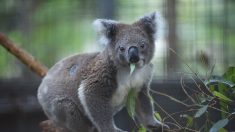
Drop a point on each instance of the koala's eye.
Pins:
(122, 48)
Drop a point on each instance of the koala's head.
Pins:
(129, 43)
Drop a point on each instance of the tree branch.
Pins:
(23, 56)
(34, 65)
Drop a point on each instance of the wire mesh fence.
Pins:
(200, 32)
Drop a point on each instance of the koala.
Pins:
(83, 92)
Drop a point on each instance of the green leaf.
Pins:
(202, 98)
(224, 107)
(221, 96)
(189, 120)
(142, 129)
(222, 130)
(230, 74)
(157, 116)
(217, 79)
(201, 111)
(132, 66)
(218, 125)
(131, 102)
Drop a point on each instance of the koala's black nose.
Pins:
(133, 54)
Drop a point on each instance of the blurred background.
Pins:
(198, 33)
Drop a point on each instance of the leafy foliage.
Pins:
(131, 102)
(201, 111)
(158, 116)
(230, 75)
(220, 88)
(221, 96)
(142, 129)
(218, 125)
(130, 105)
(132, 67)
(216, 95)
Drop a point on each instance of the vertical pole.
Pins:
(225, 35)
(171, 13)
(106, 8)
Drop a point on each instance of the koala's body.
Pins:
(83, 92)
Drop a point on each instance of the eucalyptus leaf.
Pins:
(189, 121)
(230, 74)
(157, 116)
(217, 79)
(221, 96)
(142, 129)
(222, 130)
(218, 125)
(201, 111)
(131, 102)
(132, 67)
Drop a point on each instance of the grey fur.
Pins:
(83, 92)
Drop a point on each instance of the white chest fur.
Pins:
(126, 82)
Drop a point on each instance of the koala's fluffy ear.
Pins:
(152, 24)
(106, 30)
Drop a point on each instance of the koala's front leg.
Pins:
(145, 110)
(98, 109)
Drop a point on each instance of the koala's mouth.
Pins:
(140, 63)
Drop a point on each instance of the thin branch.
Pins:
(167, 113)
(218, 109)
(170, 97)
(198, 86)
(173, 125)
(23, 56)
(182, 85)
(190, 129)
(179, 112)
(189, 67)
